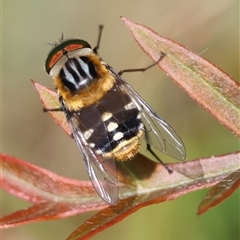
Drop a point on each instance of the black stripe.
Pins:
(69, 66)
(65, 81)
(73, 67)
(91, 66)
(130, 128)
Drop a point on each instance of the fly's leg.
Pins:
(95, 49)
(162, 55)
(155, 155)
(59, 109)
(56, 110)
(53, 109)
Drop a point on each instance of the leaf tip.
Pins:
(34, 83)
(125, 20)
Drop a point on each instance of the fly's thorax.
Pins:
(82, 80)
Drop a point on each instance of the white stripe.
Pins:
(69, 77)
(118, 136)
(84, 67)
(87, 134)
(129, 106)
(112, 126)
(106, 116)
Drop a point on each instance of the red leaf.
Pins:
(49, 99)
(143, 182)
(153, 189)
(205, 83)
(54, 196)
(220, 191)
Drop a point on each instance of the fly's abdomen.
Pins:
(112, 126)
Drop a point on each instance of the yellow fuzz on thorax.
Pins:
(90, 94)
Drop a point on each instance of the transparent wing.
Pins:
(102, 171)
(159, 133)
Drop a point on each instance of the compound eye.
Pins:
(64, 47)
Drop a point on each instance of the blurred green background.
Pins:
(27, 133)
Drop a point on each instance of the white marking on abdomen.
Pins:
(87, 134)
(118, 136)
(112, 126)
